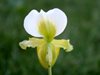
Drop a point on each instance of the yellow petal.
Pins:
(47, 52)
(32, 42)
(65, 44)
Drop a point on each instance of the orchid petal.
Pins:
(31, 22)
(65, 44)
(32, 42)
(59, 18)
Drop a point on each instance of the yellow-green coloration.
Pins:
(47, 29)
(47, 48)
(47, 52)
(32, 42)
(65, 44)
(46, 25)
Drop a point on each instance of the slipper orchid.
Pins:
(46, 25)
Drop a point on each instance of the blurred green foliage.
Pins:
(83, 30)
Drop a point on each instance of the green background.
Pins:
(83, 30)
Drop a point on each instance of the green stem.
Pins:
(50, 71)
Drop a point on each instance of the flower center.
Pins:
(47, 29)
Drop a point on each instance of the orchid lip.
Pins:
(47, 52)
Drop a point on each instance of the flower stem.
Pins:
(50, 71)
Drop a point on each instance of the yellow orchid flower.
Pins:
(46, 25)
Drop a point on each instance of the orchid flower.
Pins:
(44, 27)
